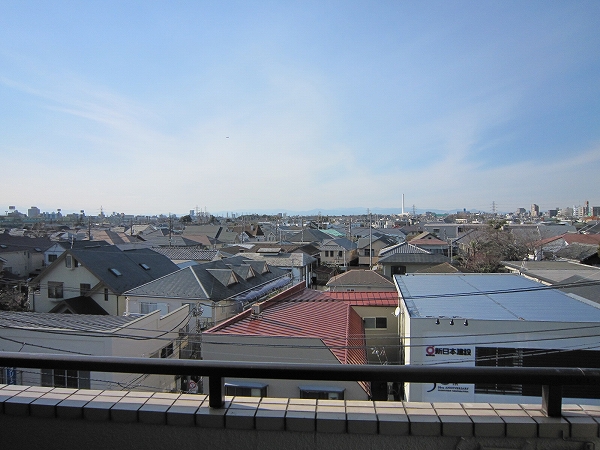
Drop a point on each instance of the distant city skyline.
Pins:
(313, 211)
(150, 107)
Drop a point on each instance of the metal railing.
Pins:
(551, 379)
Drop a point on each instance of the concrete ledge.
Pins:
(424, 420)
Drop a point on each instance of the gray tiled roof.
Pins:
(209, 280)
(404, 248)
(9, 244)
(577, 251)
(194, 254)
(78, 322)
(339, 242)
(360, 277)
(100, 260)
(309, 235)
(283, 259)
(413, 258)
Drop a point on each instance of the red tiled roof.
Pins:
(366, 298)
(335, 323)
(570, 238)
(301, 312)
(592, 239)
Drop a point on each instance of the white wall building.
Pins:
(149, 336)
(494, 320)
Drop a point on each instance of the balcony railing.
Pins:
(551, 379)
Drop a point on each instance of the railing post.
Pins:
(552, 400)
(216, 391)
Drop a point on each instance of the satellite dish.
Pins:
(397, 311)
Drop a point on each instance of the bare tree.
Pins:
(493, 245)
(13, 300)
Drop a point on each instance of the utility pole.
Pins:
(170, 229)
(370, 239)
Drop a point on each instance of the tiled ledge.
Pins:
(493, 420)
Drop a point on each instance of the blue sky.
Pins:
(153, 107)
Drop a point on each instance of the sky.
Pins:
(149, 107)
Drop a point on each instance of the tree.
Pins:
(12, 300)
(186, 219)
(493, 245)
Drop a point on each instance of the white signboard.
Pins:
(453, 356)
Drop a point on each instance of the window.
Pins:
(246, 389)
(367, 252)
(375, 322)
(536, 357)
(498, 357)
(148, 307)
(84, 289)
(66, 378)
(52, 258)
(105, 294)
(322, 392)
(166, 351)
(340, 253)
(71, 262)
(55, 289)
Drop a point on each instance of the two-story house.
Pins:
(338, 252)
(215, 291)
(95, 276)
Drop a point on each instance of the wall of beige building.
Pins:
(277, 349)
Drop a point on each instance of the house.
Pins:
(215, 291)
(360, 281)
(113, 237)
(58, 248)
(301, 325)
(217, 235)
(252, 232)
(581, 253)
(407, 258)
(338, 252)
(149, 336)
(366, 232)
(309, 236)
(548, 248)
(368, 248)
(299, 264)
(98, 271)
(431, 244)
(498, 320)
(577, 280)
(23, 255)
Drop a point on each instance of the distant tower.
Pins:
(402, 204)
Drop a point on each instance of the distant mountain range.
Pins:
(355, 211)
